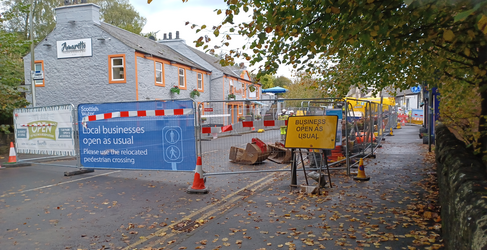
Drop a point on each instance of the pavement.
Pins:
(397, 209)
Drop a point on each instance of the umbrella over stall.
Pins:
(275, 90)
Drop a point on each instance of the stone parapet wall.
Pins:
(462, 179)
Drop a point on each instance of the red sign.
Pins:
(208, 109)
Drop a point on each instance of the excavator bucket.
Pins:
(255, 152)
(279, 154)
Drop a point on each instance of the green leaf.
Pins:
(408, 2)
(463, 15)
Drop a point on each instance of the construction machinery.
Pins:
(279, 154)
(255, 152)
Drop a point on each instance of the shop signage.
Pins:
(74, 48)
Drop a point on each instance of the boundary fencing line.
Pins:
(218, 120)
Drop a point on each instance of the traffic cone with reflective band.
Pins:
(199, 181)
(12, 157)
(361, 172)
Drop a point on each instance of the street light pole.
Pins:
(32, 64)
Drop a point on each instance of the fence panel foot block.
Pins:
(77, 172)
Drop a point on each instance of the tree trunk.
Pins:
(26, 27)
(482, 59)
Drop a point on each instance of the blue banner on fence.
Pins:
(339, 113)
(154, 135)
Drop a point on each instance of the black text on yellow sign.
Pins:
(316, 132)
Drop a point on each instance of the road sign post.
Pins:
(311, 132)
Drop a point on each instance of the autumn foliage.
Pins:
(370, 44)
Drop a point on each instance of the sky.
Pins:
(164, 16)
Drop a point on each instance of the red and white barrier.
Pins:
(245, 124)
(137, 113)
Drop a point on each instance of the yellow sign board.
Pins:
(316, 132)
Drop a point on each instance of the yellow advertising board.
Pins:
(314, 132)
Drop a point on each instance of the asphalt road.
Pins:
(40, 208)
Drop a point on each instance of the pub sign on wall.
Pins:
(74, 48)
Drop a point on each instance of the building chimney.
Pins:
(170, 40)
(78, 13)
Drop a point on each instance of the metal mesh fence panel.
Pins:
(227, 128)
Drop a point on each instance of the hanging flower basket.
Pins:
(193, 93)
(175, 89)
(231, 96)
(252, 88)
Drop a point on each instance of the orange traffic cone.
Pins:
(199, 181)
(361, 172)
(12, 157)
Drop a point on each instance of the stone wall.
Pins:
(462, 179)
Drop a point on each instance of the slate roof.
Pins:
(215, 62)
(148, 46)
(204, 60)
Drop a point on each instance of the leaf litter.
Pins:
(395, 211)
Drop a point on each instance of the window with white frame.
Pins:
(253, 94)
(231, 86)
(200, 81)
(182, 82)
(38, 67)
(117, 69)
(159, 73)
